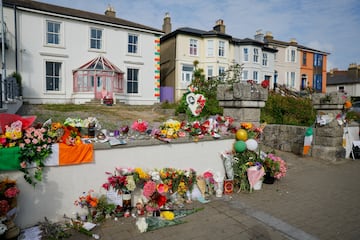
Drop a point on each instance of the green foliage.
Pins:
(240, 166)
(288, 110)
(53, 231)
(206, 87)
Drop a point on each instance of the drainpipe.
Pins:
(16, 39)
(2, 54)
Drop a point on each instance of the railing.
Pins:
(11, 89)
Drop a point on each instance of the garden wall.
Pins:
(55, 196)
(284, 137)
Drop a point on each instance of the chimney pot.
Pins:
(110, 12)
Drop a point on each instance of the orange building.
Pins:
(313, 69)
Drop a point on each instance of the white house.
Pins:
(256, 58)
(66, 55)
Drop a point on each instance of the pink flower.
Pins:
(149, 189)
(208, 174)
(162, 188)
(11, 192)
(23, 164)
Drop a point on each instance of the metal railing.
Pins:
(11, 89)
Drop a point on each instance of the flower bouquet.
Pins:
(34, 149)
(8, 194)
(274, 166)
(170, 129)
(139, 126)
(156, 195)
(89, 202)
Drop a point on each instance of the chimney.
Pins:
(110, 12)
(219, 27)
(166, 27)
(354, 71)
(268, 36)
(293, 41)
(259, 36)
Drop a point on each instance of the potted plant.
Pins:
(275, 168)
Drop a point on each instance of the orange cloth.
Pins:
(78, 154)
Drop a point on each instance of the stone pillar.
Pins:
(242, 101)
(328, 138)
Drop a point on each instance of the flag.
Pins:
(62, 155)
(308, 140)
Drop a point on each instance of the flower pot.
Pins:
(258, 185)
(268, 179)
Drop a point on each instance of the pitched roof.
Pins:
(49, 8)
(195, 32)
(340, 77)
(286, 44)
(99, 63)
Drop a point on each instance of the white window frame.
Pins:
(132, 44)
(291, 55)
(221, 49)
(265, 59)
(54, 76)
(210, 71)
(290, 79)
(60, 33)
(256, 55)
(97, 39)
(133, 80)
(245, 75)
(256, 76)
(193, 47)
(210, 48)
(186, 74)
(246, 54)
(221, 72)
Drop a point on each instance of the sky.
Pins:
(332, 26)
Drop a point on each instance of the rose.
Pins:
(149, 189)
(11, 192)
(162, 188)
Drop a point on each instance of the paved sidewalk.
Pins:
(316, 200)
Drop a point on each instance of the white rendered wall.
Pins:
(55, 196)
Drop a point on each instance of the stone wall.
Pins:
(242, 101)
(284, 137)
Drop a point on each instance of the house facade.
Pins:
(263, 58)
(298, 67)
(345, 81)
(182, 47)
(67, 55)
(215, 52)
(256, 59)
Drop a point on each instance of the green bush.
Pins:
(288, 110)
(208, 88)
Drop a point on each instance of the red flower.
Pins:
(11, 192)
(161, 200)
(265, 83)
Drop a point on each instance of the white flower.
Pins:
(3, 228)
(155, 175)
(141, 224)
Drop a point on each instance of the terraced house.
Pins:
(67, 55)
(262, 58)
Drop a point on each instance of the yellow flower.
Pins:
(167, 215)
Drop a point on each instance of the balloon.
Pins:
(241, 134)
(240, 146)
(251, 144)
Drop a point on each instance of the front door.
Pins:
(103, 87)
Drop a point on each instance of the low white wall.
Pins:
(55, 196)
